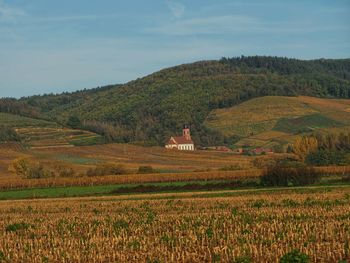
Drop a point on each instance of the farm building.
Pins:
(183, 142)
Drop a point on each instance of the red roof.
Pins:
(179, 140)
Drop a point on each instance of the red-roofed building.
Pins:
(183, 142)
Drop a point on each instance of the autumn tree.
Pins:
(305, 145)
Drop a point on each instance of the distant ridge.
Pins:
(150, 109)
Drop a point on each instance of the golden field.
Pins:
(234, 226)
(80, 158)
(20, 183)
(172, 165)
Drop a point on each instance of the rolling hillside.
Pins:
(150, 109)
(38, 133)
(267, 121)
(17, 121)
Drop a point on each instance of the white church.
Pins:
(183, 143)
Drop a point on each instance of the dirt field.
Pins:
(80, 158)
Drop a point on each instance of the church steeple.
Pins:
(186, 132)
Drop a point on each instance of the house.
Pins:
(183, 142)
(223, 149)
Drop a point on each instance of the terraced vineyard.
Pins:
(56, 137)
(39, 133)
(235, 226)
(268, 121)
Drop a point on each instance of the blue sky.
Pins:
(54, 46)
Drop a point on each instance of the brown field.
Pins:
(173, 166)
(83, 157)
(241, 226)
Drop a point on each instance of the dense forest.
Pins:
(150, 109)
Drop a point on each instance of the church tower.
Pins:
(186, 132)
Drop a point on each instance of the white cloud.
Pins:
(176, 8)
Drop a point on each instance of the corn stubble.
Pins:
(257, 228)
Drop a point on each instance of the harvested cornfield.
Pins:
(240, 226)
(20, 183)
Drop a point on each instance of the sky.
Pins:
(50, 46)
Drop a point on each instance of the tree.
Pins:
(305, 145)
(286, 176)
(74, 122)
(327, 157)
(29, 169)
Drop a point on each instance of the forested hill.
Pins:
(149, 109)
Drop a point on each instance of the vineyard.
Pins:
(241, 226)
(41, 137)
(266, 121)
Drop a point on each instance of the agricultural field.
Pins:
(42, 137)
(81, 158)
(267, 121)
(227, 226)
(37, 133)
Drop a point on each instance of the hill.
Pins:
(17, 121)
(267, 121)
(41, 133)
(150, 109)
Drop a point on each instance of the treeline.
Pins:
(339, 68)
(13, 106)
(150, 109)
(324, 149)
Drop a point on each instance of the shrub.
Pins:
(263, 162)
(327, 157)
(346, 178)
(2, 256)
(17, 226)
(146, 170)
(30, 169)
(107, 169)
(242, 259)
(120, 225)
(8, 134)
(282, 176)
(295, 256)
(65, 171)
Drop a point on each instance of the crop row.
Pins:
(243, 228)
